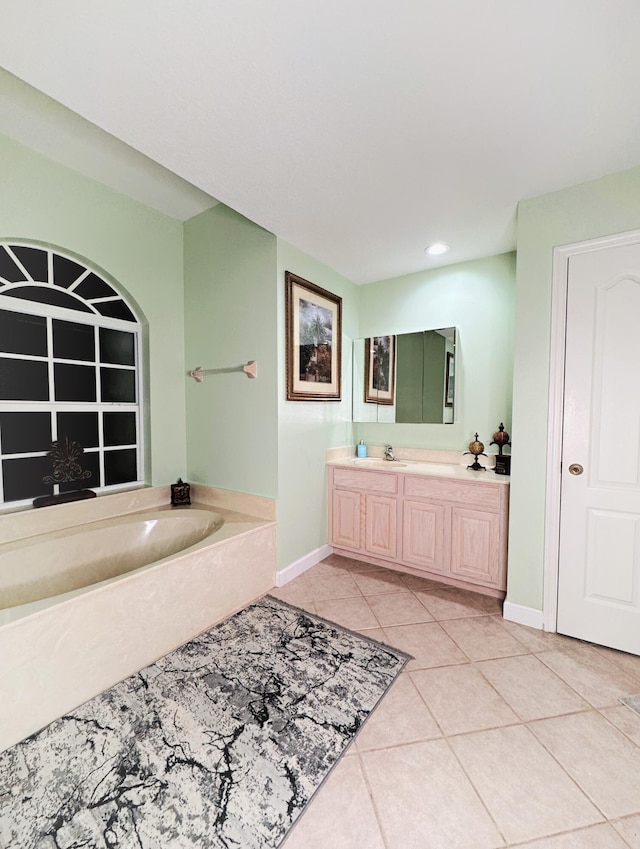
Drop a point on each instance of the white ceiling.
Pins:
(358, 130)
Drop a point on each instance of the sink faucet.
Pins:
(388, 453)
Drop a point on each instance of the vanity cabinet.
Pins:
(448, 528)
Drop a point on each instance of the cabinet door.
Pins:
(423, 536)
(476, 553)
(346, 524)
(381, 526)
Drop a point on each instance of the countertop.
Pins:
(413, 467)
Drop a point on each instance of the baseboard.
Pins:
(283, 576)
(523, 615)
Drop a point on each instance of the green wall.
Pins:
(307, 428)
(231, 318)
(597, 208)
(138, 247)
(476, 297)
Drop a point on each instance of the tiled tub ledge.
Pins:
(63, 651)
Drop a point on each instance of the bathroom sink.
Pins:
(373, 463)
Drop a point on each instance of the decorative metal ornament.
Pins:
(64, 459)
(180, 494)
(477, 449)
(503, 461)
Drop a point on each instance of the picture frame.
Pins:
(450, 380)
(380, 370)
(313, 341)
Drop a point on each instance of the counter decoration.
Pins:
(503, 461)
(180, 494)
(477, 449)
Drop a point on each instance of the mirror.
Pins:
(409, 377)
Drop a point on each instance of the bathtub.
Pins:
(92, 592)
(51, 566)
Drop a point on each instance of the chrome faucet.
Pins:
(388, 453)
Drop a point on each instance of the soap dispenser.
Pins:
(361, 449)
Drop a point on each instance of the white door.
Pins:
(599, 568)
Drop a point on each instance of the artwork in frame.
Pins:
(313, 340)
(450, 382)
(379, 370)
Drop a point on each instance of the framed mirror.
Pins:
(405, 377)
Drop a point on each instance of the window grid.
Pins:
(52, 406)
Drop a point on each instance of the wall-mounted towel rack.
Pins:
(250, 369)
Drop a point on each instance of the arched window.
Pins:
(69, 375)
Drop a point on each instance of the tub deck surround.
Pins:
(55, 658)
(434, 519)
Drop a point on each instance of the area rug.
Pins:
(632, 702)
(221, 743)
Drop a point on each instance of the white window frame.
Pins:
(97, 321)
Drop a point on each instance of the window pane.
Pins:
(65, 271)
(118, 386)
(73, 341)
(119, 428)
(23, 380)
(23, 334)
(8, 269)
(88, 462)
(94, 287)
(48, 295)
(116, 309)
(117, 346)
(74, 383)
(21, 433)
(23, 478)
(80, 427)
(120, 466)
(34, 260)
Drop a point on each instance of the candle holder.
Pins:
(503, 461)
(477, 449)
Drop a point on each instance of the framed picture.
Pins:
(450, 382)
(379, 370)
(313, 339)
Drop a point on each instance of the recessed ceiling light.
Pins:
(436, 248)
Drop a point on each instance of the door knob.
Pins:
(576, 469)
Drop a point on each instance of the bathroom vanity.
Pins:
(437, 520)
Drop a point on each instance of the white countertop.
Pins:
(413, 467)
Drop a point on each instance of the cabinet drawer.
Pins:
(385, 482)
(479, 494)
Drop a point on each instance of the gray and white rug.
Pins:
(221, 743)
(632, 702)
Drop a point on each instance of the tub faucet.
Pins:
(388, 453)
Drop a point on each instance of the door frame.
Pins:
(560, 282)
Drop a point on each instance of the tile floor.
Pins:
(495, 735)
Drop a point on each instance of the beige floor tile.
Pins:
(461, 699)
(629, 662)
(491, 605)
(596, 837)
(591, 675)
(604, 762)
(384, 581)
(528, 794)
(625, 720)
(295, 592)
(531, 688)
(424, 799)
(341, 816)
(415, 582)
(401, 608)
(325, 585)
(375, 634)
(483, 637)
(536, 640)
(401, 717)
(353, 613)
(451, 604)
(629, 828)
(427, 643)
